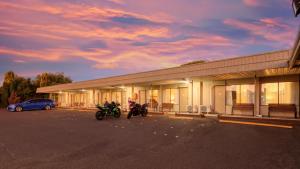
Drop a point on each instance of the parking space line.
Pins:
(183, 118)
(256, 124)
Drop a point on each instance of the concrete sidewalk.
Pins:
(280, 121)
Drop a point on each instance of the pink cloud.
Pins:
(157, 36)
(67, 30)
(19, 61)
(81, 12)
(117, 1)
(272, 30)
(253, 3)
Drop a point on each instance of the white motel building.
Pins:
(258, 85)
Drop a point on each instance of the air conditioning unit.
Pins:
(205, 109)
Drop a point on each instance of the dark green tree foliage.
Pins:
(13, 98)
(24, 88)
(9, 77)
(49, 79)
(1, 91)
(16, 88)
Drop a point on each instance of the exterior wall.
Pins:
(200, 94)
(292, 78)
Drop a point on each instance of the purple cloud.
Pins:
(103, 38)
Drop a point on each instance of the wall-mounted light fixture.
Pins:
(122, 87)
(296, 7)
(187, 80)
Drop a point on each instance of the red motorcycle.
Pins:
(137, 109)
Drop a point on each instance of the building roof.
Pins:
(258, 62)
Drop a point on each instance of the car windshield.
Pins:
(27, 101)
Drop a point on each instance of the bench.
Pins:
(282, 108)
(168, 106)
(243, 106)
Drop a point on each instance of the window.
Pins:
(236, 94)
(183, 107)
(152, 95)
(269, 93)
(152, 99)
(166, 95)
(174, 96)
(279, 93)
(105, 97)
(116, 97)
(170, 96)
(142, 96)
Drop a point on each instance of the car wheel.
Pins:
(48, 107)
(19, 109)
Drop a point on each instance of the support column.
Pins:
(94, 100)
(196, 94)
(132, 93)
(160, 101)
(190, 95)
(257, 96)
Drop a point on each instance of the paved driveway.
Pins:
(62, 139)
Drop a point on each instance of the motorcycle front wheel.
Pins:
(117, 113)
(99, 115)
(144, 114)
(129, 115)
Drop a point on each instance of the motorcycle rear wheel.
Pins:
(99, 115)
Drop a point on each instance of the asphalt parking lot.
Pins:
(61, 139)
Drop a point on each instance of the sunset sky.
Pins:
(89, 39)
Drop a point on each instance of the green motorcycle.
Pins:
(108, 110)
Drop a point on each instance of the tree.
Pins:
(1, 91)
(49, 79)
(24, 88)
(9, 77)
(16, 88)
(13, 98)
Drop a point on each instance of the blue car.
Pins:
(34, 104)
